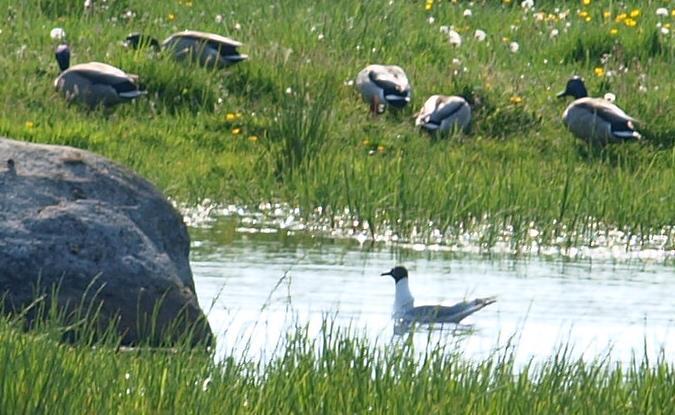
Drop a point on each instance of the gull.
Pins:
(405, 311)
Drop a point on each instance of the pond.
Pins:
(257, 283)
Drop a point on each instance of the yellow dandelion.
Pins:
(516, 99)
(585, 2)
(667, 25)
(599, 71)
(583, 14)
(630, 22)
(635, 13)
(29, 125)
(171, 17)
(606, 14)
(614, 31)
(365, 142)
(672, 12)
(230, 117)
(429, 4)
(236, 131)
(620, 17)
(188, 4)
(588, 18)
(506, 1)
(252, 138)
(380, 148)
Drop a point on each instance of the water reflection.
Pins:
(257, 285)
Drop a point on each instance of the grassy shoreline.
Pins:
(287, 126)
(339, 372)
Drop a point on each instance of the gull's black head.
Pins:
(63, 56)
(139, 40)
(575, 88)
(397, 273)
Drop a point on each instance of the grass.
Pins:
(338, 372)
(287, 126)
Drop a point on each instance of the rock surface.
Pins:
(74, 219)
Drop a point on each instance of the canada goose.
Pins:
(207, 49)
(405, 311)
(444, 113)
(94, 83)
(595, 120)
(382, 85)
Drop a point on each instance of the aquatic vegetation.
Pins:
(299, 137)
(336, 371)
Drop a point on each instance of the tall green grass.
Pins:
(319, 146)
(339, 371)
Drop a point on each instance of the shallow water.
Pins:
(258, 283)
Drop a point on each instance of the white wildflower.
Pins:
(431, 20)
(514, 47)
(88, 5)
(321, 36)
(57, 33)
(554, 33)
(454, 38)
(527, 4)
(665, 30)
(662, 12)
(289, 90)
(480, 35)
(206, 384)
(456, 61)
(609, 97)
(467, 13)
(444, 29)
(237, 26)
(219, 18)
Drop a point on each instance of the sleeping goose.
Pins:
(94, 83)
(384, 85)
(207, 49)
(595, 120)
(405, 311)
(444, 113)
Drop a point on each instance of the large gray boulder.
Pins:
(72, 219)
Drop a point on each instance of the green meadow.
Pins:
(287, 125)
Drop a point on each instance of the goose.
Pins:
(207, 49)
(405, 311)
(595, 120)
(444, 113)
(94, 83)
(384, 85)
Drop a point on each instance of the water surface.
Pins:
(256, 284)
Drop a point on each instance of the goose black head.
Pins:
(139, 40)
(397, 273)
(575, 88)
(63, 56)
